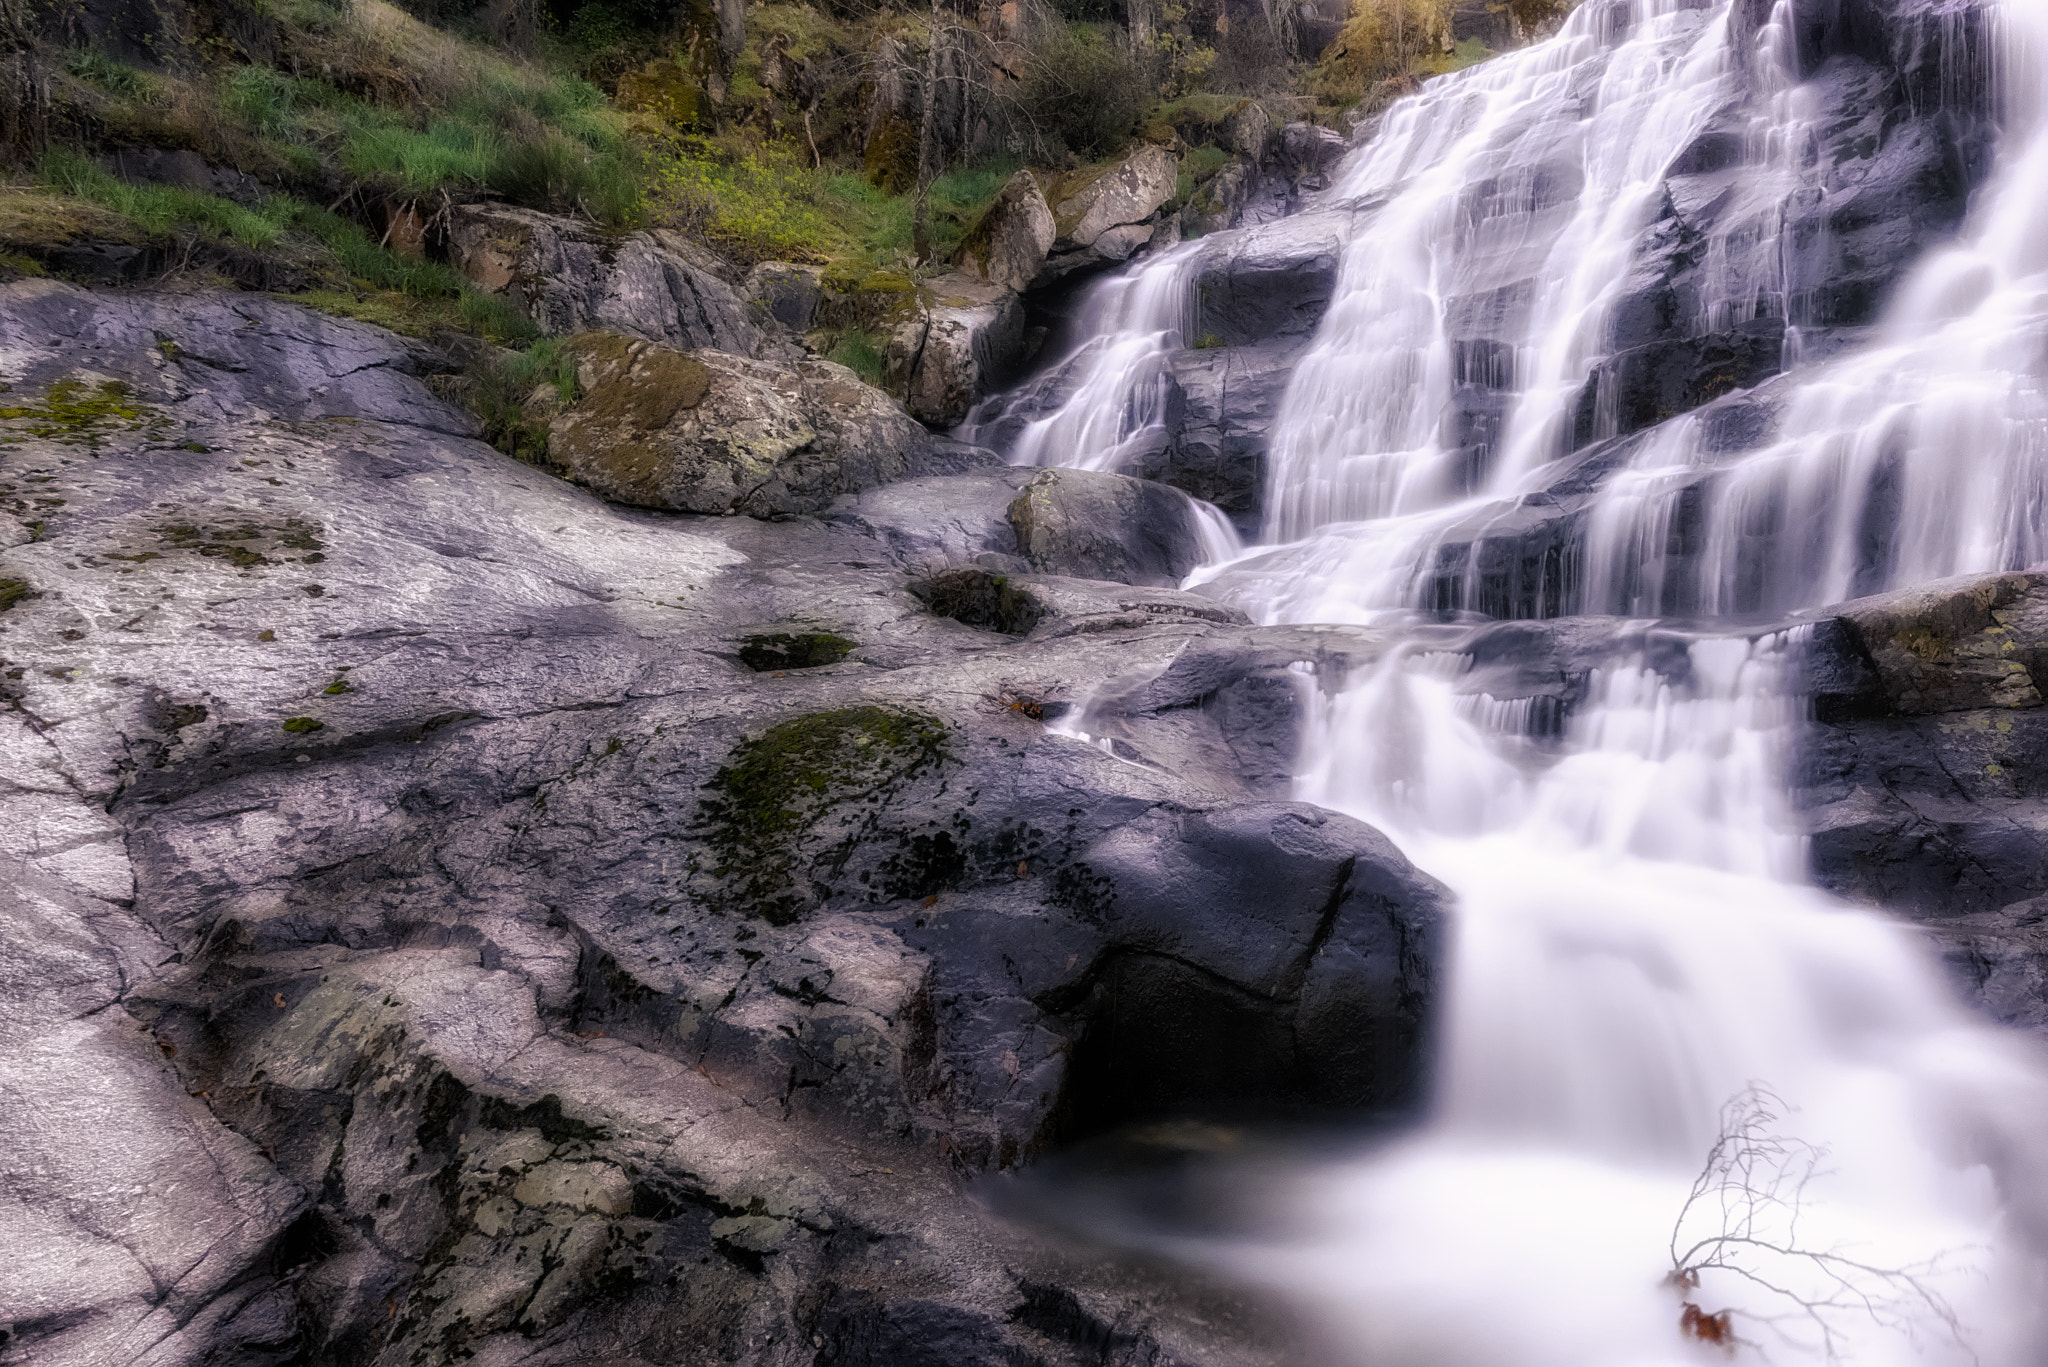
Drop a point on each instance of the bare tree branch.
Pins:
(1742, 1218)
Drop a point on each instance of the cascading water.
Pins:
(1635, 944)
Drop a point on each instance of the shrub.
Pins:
(1083, 93)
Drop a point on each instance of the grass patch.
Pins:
(159, 209)
(861, 353)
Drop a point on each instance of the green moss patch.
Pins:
(802, 650)
(12, 591)
(74, 412)
(300, 726)
(789, 807)
(977, 598)
(641, 391)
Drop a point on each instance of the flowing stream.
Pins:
(1636, 943)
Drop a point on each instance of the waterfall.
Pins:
(1636, 943)
(1920, 456)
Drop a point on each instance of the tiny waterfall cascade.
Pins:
(1636, 942)
(1110, 395)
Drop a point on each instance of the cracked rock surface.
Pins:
(428, 939)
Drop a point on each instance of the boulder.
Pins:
(570, 278)
(1128, 192)
(787, 293)
(1008, 243)
(1092, 525)
(968, 336)
(706, 432)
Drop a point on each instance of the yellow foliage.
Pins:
(1383, 38)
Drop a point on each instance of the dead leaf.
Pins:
(278, 1001)
(931, 901)
(1023, 868)
(170, 1049)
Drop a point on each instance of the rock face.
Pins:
(705, 432)
(568, 278)
(453, 949)
(1008, 245)
(1924, 776)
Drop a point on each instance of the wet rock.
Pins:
(1268, 283)
(1092, 525)
(1228, 398)
(1008, 244)
(1308, 153)
(569, 278)
(1922, 777)
(706, 432)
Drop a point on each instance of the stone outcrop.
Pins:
(1008, 244)
(450, 947)
(569, 278)
(706, 432)
(1923, 777)
(966, 337)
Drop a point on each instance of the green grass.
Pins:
(860, 353)
(158, 209)
(115, 78)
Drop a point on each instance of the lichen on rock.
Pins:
(776, 817)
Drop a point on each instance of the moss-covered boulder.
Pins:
(705, 432)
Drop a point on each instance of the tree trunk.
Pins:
(24, 89)
(927, 151)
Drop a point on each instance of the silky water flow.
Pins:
(1640, 969)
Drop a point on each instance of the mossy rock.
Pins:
(800, 650)
(977, 598)
(890, 161)
(641, 392)
(75, 412)
(788, 809)
(875, 302)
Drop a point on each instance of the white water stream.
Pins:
(1635, 939)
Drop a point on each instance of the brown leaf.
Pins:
(1023, 868)
(278, 1001)
(170, 1049)
(931, 901)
